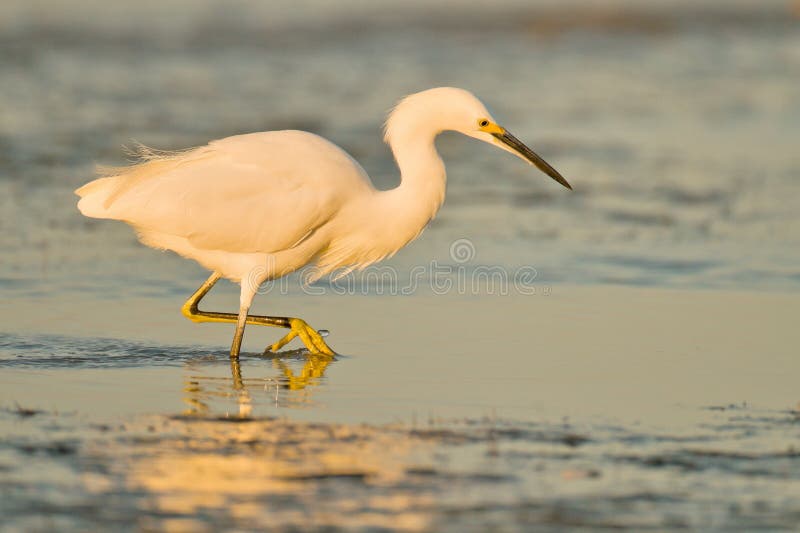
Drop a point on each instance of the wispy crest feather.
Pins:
(140, 154)
(147, 163)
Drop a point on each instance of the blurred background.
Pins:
(677, 122)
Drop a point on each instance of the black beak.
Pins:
(515, 144)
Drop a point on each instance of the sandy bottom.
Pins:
(596, 407)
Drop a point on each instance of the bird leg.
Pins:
(297, 326)
(241, 321)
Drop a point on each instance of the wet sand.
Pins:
(576, 406)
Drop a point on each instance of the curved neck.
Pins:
(423, 180)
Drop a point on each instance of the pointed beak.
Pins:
(529, 155)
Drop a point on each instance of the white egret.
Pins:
(259, 206)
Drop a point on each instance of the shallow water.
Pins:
(183, 473)
(478, 387)
(444, 413)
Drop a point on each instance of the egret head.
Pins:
(448, 108)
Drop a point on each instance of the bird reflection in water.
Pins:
(291, 387)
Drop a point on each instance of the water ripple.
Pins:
(57, 351)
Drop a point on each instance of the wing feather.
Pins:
(261, 192)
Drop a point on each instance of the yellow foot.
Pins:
(313, 340)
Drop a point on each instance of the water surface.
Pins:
(446, 412)
(620, 356)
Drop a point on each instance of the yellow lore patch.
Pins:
(490, 127)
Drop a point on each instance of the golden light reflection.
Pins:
(313, 371)
(288, 388)
(281, 473)
(261, 470)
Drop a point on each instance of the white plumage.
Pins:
(258, 206)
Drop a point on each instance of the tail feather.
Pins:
(93, 196)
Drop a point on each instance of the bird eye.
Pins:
(483, 123)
